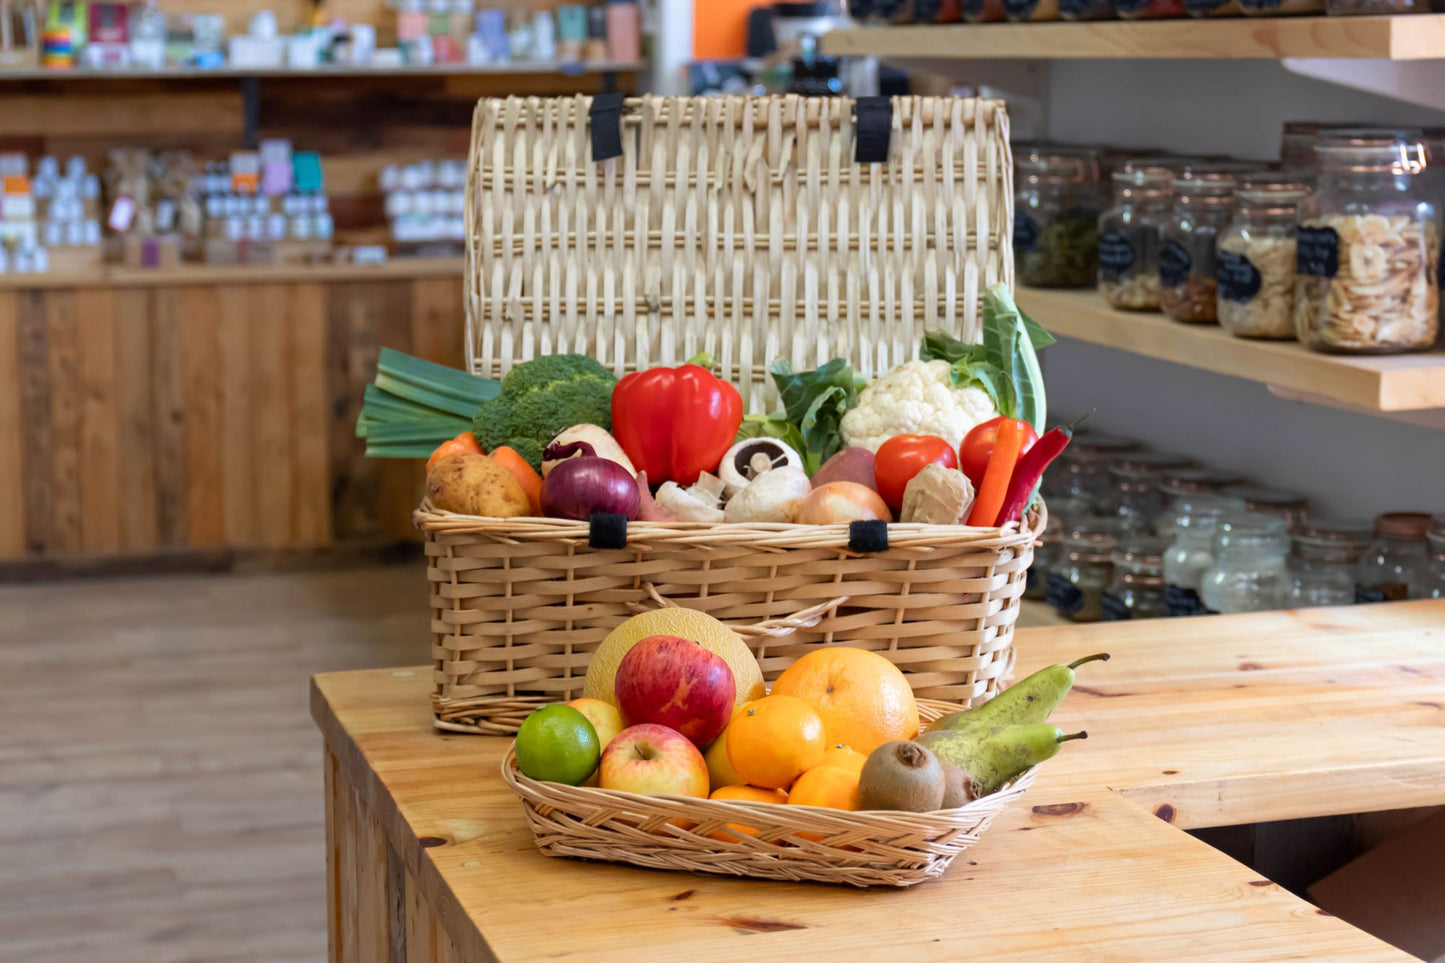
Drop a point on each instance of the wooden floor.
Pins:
(160, 778)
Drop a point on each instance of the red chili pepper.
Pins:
(675, 423)
(1030, 469)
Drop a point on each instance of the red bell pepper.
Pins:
(675, 423)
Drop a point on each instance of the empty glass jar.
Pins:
(1396, 563)
(1248, 573)
(1134, 485)
(1129, 237)
(1255, 262)
(1183, 482)
(1434, 587)
(1084, 567)
(1203, 206)
(1190, 525)
(1322, 562)
(1083, 473)
(1046, 553)
(1291, 506)
(1368, 247)
(1137, 590)
(1056, 217)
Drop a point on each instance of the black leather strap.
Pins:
(607, 530)
(868, 536)
(875, 125)
(605, 117)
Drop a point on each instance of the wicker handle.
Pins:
(768, 628)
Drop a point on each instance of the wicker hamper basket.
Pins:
(750, 228)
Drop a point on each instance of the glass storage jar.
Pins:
(1056, 217)
(1213, 8)
(1189, 526)
(1248, 572)
(937, 11)
(1134, 485)
(983, 11)
(1256, 259)
(1129, 238)
(1084, 473)
(1046, 552)
(1084, 567)
(1149, 9)
(1352, 8)
(1395, 565)
(1137, 589)
(1184, 482)
(1322, 560)
(1368, 248)
(1203, 205)
(1434, 587)
(1025, 11)
(1086, 9)
(1291, 506)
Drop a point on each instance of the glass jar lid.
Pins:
(1271, 193)
(1403, 526)
(1197, 512)
(1148, 181)
(1370, 150)
(1258, 499)
(1057, 163)
(1143, 465)
(1140, 552)
(1187, 481)
(1204, 184)
(1331, 540)
(1251, 531)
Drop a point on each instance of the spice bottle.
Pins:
(1322, 560)
(1084, 567)
(1129, 238)
(1056, 217)
(1190, 527)
(1137, 590)
(1434, 587)
(1368, 247)
(1291, 506)
(1255, 263)
(1395, 565)
(1203, 205)
(1248, 573)
(1134, 480)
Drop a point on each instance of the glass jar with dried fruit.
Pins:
(1368, 246)
(1203, 205)
(1056, 216)
(1129, 237)
(1255, 262)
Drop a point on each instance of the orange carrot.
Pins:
(524, 473)
(465, 443)
(994, 486)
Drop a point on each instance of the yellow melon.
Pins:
(683, 623)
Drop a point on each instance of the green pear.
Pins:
(1026, 701)
(993, 756)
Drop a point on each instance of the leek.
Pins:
(415, 405)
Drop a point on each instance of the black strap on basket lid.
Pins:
(607, 530)
(868, 536)
(874, 122)
(605, 117)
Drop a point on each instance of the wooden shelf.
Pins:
(436, 70)
(1404, 37)
(1408, 382)
(115, 275)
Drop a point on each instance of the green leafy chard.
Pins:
(814, 403)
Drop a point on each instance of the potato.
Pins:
(476, 485)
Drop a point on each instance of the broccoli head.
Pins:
(541, 397)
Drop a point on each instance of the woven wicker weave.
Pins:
(733, 225)
(791, 842)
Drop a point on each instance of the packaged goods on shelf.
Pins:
(1203, 205)
(1056, 216)
(426, 203)
(1129, 237)
(49, 220)
(1255, 264)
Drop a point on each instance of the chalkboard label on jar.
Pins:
(1260, 4)
(972, 8)
(1019, 9)
(1239, 279)
(1179, 600)
(1203, 6)
(1063, 595)
(1129, 6)
(1114, 609)
(1174, 262)
(1026, 232)
(1383, 592)
(925, 11)
(1074, 8)
(1116, 255)
(1317, 252)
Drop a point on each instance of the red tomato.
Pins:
(977, 447)
(903, 456)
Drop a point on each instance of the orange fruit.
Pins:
(746, 794)
(840, 755)
(830, 786)
(862, 698)
(775, 740)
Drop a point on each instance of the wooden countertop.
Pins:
(1195, 722)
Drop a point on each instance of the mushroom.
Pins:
(773, 496)
(750, 458)
(700, 503)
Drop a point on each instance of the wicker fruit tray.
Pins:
(794, 843)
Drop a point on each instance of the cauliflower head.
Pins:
(917, 397)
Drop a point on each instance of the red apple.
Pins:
(653, 760)
(676, 683)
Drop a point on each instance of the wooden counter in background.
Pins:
(201, 409)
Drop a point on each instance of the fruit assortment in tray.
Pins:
(678, 758)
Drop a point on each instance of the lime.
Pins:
(558, 744)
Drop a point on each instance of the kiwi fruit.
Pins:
(958, 787)
(901, 775)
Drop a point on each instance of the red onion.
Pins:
(581, 487)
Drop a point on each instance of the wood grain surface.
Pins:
(1193, 722)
